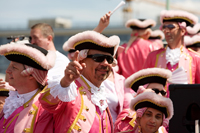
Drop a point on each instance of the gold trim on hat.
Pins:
(88, 40)
(168, 18)
(18, 53)
(148, 100)
(4, 90)
(141, 77)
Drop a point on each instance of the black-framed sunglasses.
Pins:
(169, 26)
(157, 91)
(101, 58)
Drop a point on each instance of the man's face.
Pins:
(151, 120)
(96, 71)
(172, 32)
(38, 39)
(15, 78)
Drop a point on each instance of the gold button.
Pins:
(84, 93)
(26, 105)
(24, 130)
(185, 58)
(84, 119)
(3, 127)
(79, 129)
(87, 109)
(104, 127)
(172, 69)
(161, 55)
(30, 112)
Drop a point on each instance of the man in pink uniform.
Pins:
(138, 47)
(27, 73)
(78, 101)
(150, 79)
(175, 55)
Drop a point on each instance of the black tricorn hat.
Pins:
(29, 54)
(146, 76)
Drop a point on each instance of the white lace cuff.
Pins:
(66, 94)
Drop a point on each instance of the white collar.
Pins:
(15, 100)
(98, 96)
(173, 55)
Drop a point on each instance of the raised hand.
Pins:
(103, 22)
(72, 71)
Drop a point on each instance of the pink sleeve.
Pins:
(128, 96)
(122, 121)
(149, 62)
(50, 103)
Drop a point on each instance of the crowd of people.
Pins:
(99, 87)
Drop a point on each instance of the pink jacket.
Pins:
(75, 116)
(30, 117)
(124, 94)
(188, 60)
(125, 123)
(133, 60)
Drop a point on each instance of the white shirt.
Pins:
(69, 93)
(112, 99)
(60, 65)
(15, 100)
(173, 55)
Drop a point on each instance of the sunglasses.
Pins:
(169, 26)
(162, 92)
(101, 58)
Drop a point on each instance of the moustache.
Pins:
(104, 67)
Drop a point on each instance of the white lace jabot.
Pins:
(15, 100)
(98, 96)
(173, 55)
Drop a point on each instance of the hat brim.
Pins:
(29, 54)
(153, 100)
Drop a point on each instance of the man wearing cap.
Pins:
(175, 55)
(27, 73)
(137, 48)
(42, 35)
(79, 102)
(152, 113)
(150, 79)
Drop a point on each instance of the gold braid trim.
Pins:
(150, 75)
(88, 40)
(179, 18)
(18, 53)
(145, 100)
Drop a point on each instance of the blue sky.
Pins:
(16, 13)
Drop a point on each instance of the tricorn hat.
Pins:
(29, 54)
(152, 100)
(92, 40)
(146, 76)
(140, 23)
